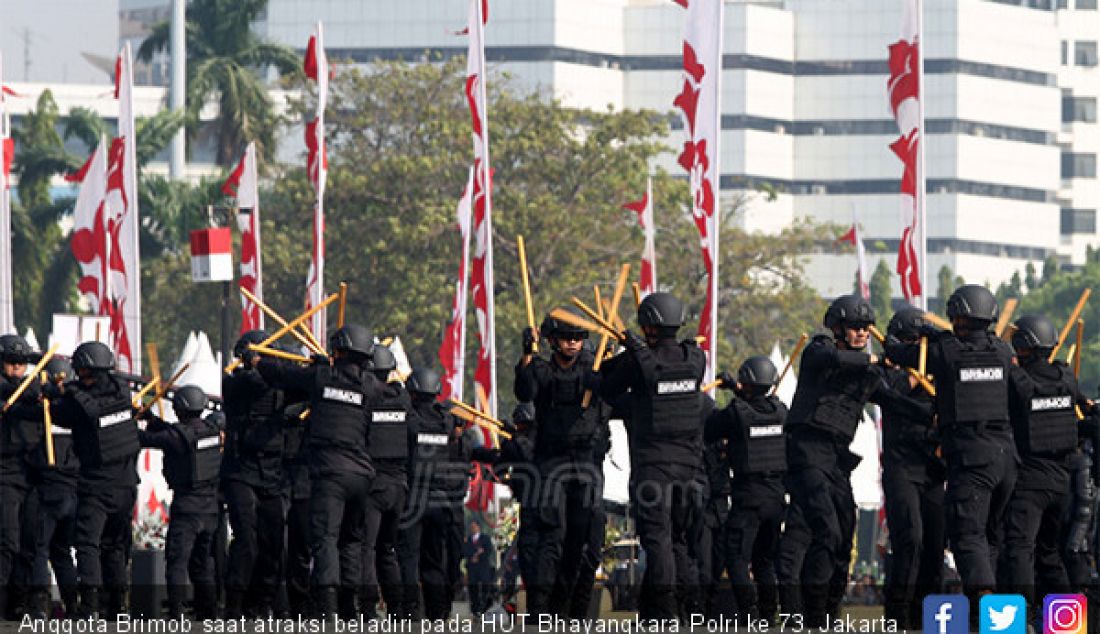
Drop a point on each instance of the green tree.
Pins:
(399, 155)
(1031, 279)
(1050, 268)
(881, 291)
(225, 63)
(1056, 298)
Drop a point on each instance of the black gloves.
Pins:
(728, 382)
(508, 427)
(52, 391)
(632, 341)
(529, 339)
(319, 359)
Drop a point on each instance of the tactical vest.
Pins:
(338, 414)
(563, 424)
(839, 408)
(979, 378)
(1049, 424)
(65, 460)
(670, 404)
(436, 453)
(389, 428)
(18, 436)
(114, 432)
(201, 463)
(762, 447)
(258, 430)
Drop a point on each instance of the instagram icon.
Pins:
(1065, 614)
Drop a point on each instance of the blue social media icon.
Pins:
(946, 614)
(1002, 614)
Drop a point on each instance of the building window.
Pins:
(1065, 53)
(1078, 221)
(1063, 4)
(1085, 5)
(1078, 165)
(1084, 53)
(1078, 109)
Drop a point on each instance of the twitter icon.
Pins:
(1002, 614)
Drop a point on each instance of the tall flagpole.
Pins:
(7, 312)
(922, 206)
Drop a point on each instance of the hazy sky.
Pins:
(59, 31)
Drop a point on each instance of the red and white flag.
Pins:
(906, 102)
(316, 68)
(481, 283)
(244, 184)
(644, 208)
(854, 238)
(452, 352)
(699, 103)
(482, 264)
(122, 225)
(89, 238)
(7, 155)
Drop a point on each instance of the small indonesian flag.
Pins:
(212, 255)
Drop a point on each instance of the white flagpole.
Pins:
(7, 309)
(922, 207)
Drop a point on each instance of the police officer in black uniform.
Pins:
(1043, 405)
(56, 521)
(20, 434)
(393, 438)
(912, 484)
(666, 436)
(710, 549)
(430, 540)
(752, 428)
(192, 458)
(340, 395)
(1079, 531)
(836, 380)
(513, 465)
(296, 491)
(567, 431)
(252, 480)
(971, 366)
(97, 407)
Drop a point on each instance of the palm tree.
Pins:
(225, 62)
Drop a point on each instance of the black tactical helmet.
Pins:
(93, 355)
(59, 369)
(1035, 332)
(523, 413)
(14, 349)
(424, 381)
(252, 337)
(972, 302)
(552, 327)
(848, 310)
(190, 399)
(758, 370)
(353, 338)
(661, 310)
(383, 360)
(906, 324)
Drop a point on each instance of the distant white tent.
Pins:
(204, 369)
(32, 340)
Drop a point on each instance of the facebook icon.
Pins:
(946, 614)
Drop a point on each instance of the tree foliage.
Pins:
(399, 156)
